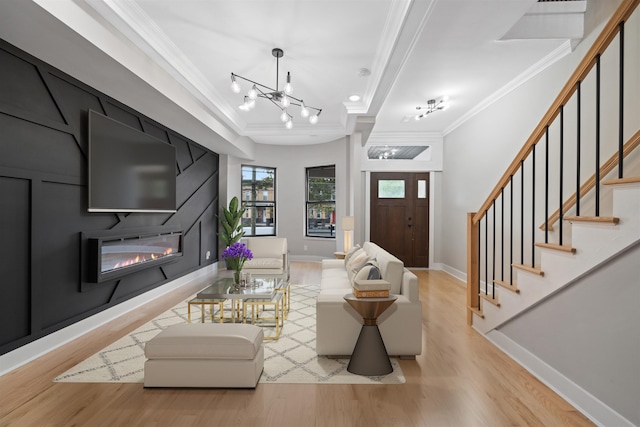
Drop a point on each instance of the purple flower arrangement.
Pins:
(236, 255)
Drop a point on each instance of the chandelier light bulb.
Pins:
(288, 124)
(285, 101)
(235, 87)
(304, 111)
(253, 93)
(251, 103)
(245, 105)
(288, 88)
(314, 119)
(284, 116)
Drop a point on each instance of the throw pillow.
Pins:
(350, 253)
(355, 256)
(370, 271)
(356, 263)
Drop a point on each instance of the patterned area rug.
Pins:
(290, 359)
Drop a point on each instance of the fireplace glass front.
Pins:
(115, 257)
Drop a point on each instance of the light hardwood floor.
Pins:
(460, 380)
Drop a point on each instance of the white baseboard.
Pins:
(460, 275)
(307, 258)
(589, 405)
(28, 352)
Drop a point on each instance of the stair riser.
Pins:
(595, 243)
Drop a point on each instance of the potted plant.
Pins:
(231, 223)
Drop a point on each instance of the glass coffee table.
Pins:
(226, 289)
(263, 291)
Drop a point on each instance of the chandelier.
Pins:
(433, 105)
(280, 98)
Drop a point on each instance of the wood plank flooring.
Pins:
(460, 380)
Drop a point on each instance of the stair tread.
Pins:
(493, 300)
(476, 311)
(513, 287)
(629, 180)
(607, 219)
(535, 270)
(557, 247)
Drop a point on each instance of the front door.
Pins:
(400, 215)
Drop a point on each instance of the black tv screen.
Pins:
(129, 171)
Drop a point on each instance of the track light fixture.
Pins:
(280, 98)
(433, 105)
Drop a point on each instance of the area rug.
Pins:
(290, 359)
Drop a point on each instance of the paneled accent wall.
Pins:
(43, 202)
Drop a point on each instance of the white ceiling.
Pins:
(416, 50)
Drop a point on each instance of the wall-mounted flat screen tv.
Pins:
(129, 171)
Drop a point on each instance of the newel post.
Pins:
(473, 288)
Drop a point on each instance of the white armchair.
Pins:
(270, 256)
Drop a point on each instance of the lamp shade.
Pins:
(347, 223)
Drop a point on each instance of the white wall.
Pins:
(589, 333)
(290, 162)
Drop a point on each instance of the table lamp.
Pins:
(347, 227)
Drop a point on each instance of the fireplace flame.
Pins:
(138, 258)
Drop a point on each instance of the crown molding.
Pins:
(560, 52)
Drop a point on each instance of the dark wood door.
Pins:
(400, 215)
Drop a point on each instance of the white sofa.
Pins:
(270, 256)
(338, 324)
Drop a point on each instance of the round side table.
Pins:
(370, 356)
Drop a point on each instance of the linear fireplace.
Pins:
(113, 256)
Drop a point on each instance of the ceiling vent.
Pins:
(396, 152)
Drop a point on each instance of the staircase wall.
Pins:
(587, 334)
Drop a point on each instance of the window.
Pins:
(391, 189)
(321, 201)
(258, 187)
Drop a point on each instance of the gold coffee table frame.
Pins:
(278, 312)
(210, 302)
(285, 289)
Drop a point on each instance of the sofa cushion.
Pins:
(267, 247)
(205, 341)
(333, 264)
(276, 263)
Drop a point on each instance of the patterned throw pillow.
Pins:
(370, 271)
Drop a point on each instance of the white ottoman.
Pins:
(205, 355)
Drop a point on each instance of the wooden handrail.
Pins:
(590, 183)
(609, 32)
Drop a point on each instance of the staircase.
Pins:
(544, 228)
(513, 262)
(593, 242)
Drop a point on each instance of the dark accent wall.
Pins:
(43, 202)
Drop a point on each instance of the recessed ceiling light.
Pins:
(354, 98)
